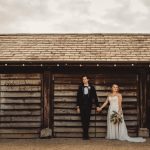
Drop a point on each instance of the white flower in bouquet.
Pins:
(116, 118)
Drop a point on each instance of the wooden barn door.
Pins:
(20, 105)
(67, 121)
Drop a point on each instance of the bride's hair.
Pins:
(115, 85)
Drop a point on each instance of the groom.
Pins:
(86, 93)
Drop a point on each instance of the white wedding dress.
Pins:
(118, 131)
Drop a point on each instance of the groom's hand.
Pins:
(78, 110)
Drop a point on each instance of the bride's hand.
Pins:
(120, 112)
(98, 109)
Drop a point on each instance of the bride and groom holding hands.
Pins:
(116, 127)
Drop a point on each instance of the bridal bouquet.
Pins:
(116, 118)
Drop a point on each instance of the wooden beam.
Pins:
(74, 64)
(143, 99)
(148, 100)
(46, 94)
(51, 99)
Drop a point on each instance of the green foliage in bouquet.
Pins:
(116, 118)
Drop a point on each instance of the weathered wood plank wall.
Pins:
(67, 121)
(20, 105)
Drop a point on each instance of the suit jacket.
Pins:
(91, 96)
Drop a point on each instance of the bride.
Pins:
(118, 130)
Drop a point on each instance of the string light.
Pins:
(81, 65)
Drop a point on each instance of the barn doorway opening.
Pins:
(66, 121)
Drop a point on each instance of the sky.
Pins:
(74, 16)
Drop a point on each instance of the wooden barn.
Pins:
(40, 74)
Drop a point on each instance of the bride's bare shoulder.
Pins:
(119, 95)
(109, 95)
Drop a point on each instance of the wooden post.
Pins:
(46, 131)
(148, 101)
(142, 102)
(46, 99)
(143, 124)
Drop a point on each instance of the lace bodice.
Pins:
(113, 100)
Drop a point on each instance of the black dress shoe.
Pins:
(86, 138)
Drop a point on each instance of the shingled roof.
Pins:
(75, 47)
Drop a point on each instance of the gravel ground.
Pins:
(70, 144)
